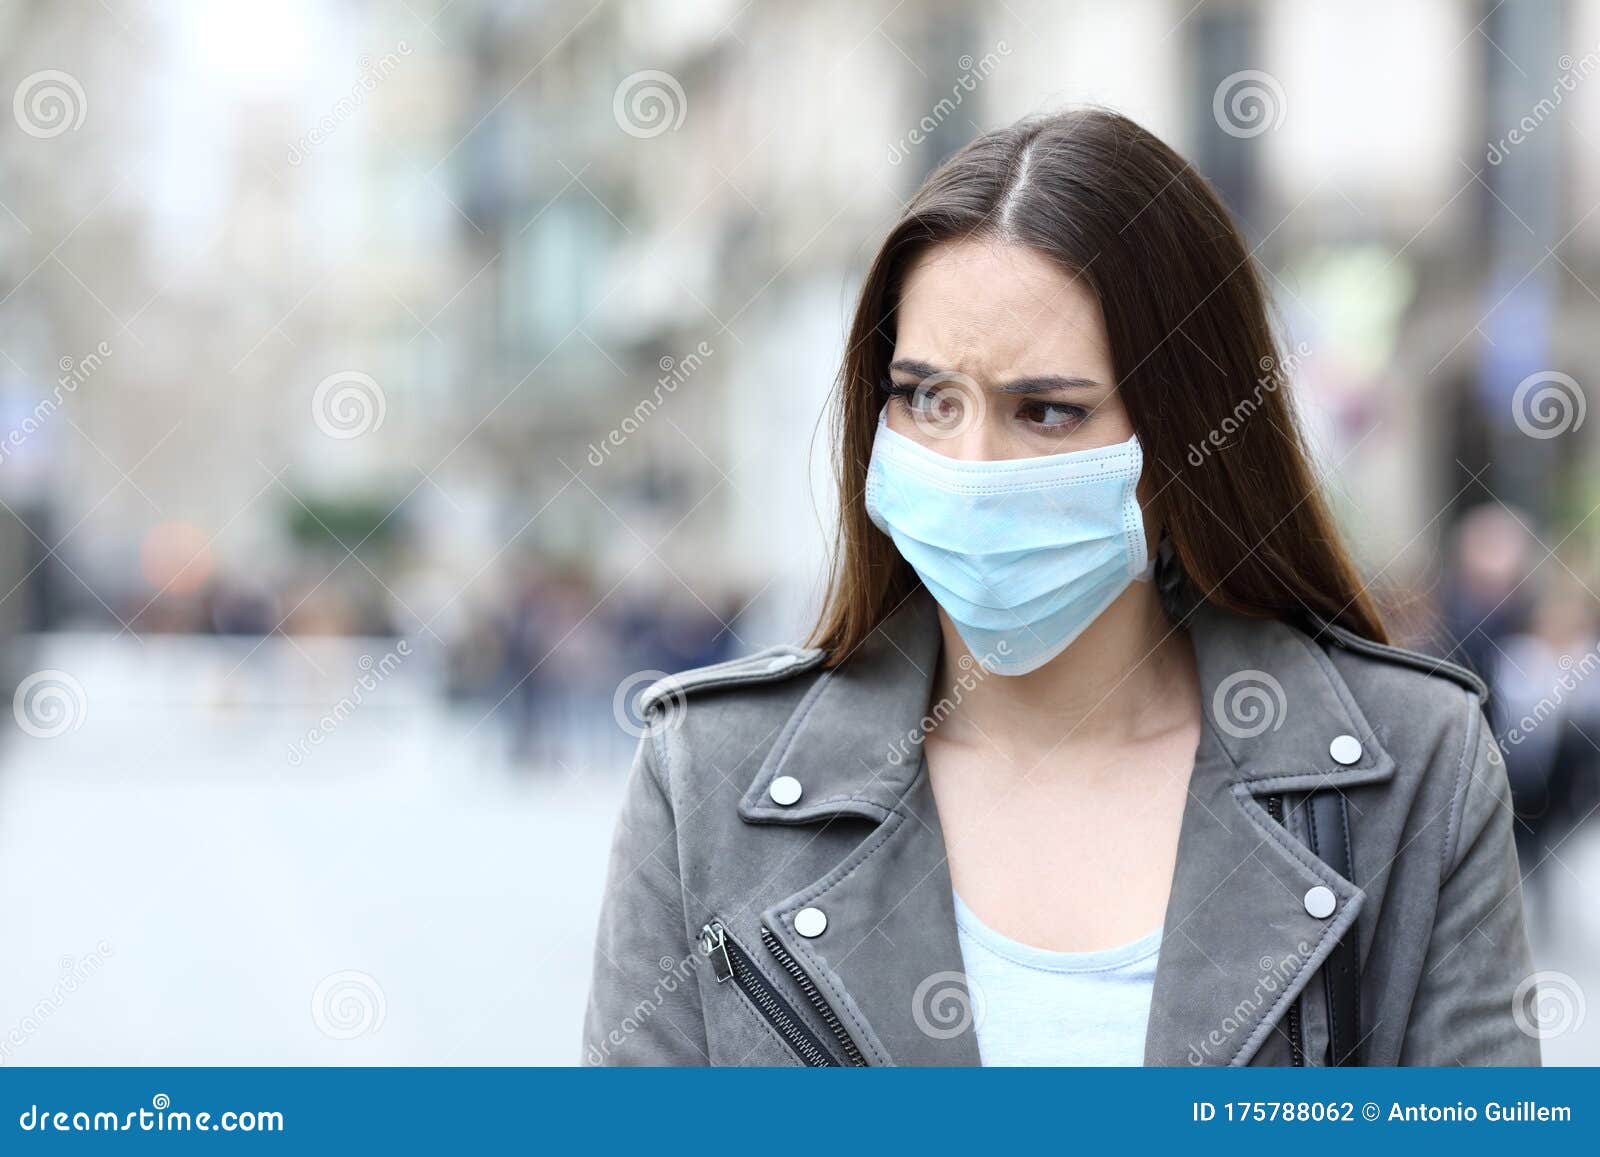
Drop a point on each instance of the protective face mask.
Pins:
(1022, 553)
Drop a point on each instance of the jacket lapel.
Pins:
(1239, 943)
(890, 946)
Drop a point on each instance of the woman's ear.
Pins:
(1168, 571)
(1178, 596)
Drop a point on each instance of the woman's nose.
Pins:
(968, 447)
(976, 437)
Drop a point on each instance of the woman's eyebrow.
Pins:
(1047, 383)
(1040, 384)
(914, 368)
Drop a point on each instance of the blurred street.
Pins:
(1564, 927)
(220, 886)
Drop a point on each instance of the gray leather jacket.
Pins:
(770, 791)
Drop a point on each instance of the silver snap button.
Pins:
(1345, 749)
(782, 663)
(810, 922)
(785, 790)
(1320, 901)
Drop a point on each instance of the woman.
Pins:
(1099, 755)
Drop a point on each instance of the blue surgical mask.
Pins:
(1021, 553)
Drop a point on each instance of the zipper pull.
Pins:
(714, 943)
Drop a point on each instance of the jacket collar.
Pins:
(1238, 944)
(855, 740)
(1277, 703)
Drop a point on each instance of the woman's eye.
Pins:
(1052, 415)
(927, 401)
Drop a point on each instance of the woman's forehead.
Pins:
(1001, 309)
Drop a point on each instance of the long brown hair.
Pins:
(1193, 347)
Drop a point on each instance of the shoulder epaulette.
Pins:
(766, 666)
(1416, 660)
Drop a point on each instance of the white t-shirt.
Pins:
(1032, 1006)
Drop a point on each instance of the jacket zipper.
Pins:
(792, 966)
(1296, 1042)
(729, 961)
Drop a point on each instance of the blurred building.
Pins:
(576, 279)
